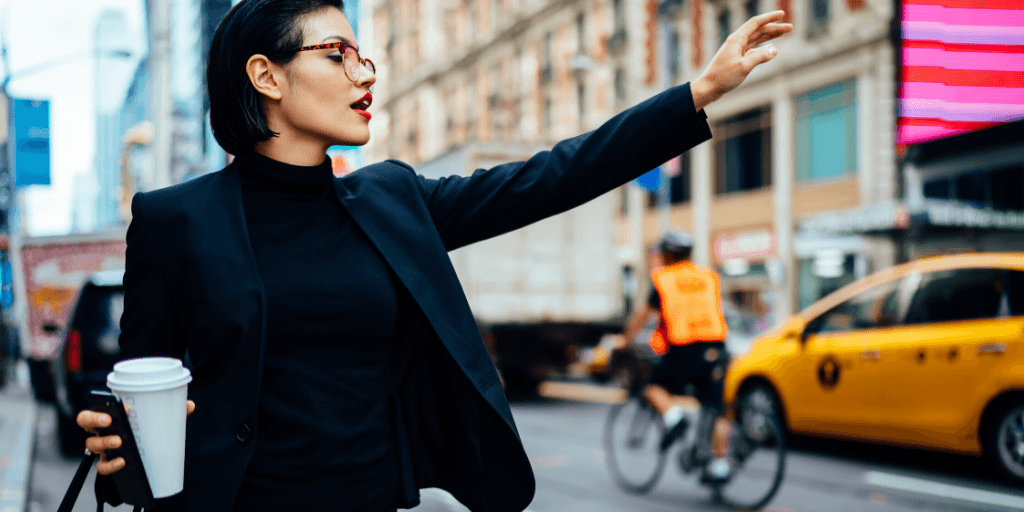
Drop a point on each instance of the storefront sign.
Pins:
(946, 213)
(882, 216)
(754, 245)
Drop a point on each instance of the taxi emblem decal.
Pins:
(828, 372)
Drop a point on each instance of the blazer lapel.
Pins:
(409, 244)
(235, 233)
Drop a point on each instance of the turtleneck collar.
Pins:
(271, 172)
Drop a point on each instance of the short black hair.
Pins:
(266, 27)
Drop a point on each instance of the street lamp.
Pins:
(60, 61)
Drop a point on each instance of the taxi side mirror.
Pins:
(794, 333)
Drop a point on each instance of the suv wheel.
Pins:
(1004, 439)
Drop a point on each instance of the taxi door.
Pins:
(960, 333)
(835, 385)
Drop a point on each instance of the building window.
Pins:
(547, 114)
(545, 59)
(818, 23)
(581, 103)
(826, 132)
(743, 152)
(675, 54)
(751, 8)
(723, 26)
(620, 85)
(581, 35)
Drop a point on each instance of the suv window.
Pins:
(872, 309)
(98, 316)
(963, 294)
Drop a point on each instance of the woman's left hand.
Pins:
(738, 57)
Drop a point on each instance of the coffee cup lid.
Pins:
(148, 374)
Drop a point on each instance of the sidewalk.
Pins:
(17, 439)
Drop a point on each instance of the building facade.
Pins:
(112, 34)
(811, 133)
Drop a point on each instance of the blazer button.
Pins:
(242, 433)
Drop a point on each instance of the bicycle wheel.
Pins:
(632, 434)
(757, 454)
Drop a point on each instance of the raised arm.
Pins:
(494, 201)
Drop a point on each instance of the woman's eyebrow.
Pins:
(342, 39)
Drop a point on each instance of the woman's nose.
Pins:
(366, 76)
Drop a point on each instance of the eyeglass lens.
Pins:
(352, 62)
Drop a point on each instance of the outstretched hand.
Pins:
(738, 56)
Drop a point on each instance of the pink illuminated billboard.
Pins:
(963, 67)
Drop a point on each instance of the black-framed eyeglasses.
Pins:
(350, 58)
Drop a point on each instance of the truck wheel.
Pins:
(70, 436)
(1004, 439)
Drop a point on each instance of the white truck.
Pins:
(49, 272)
(542, 293)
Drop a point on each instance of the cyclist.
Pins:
(690, 338)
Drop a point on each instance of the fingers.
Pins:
(97, 444)
(190, 407)
(106, 468)
(758, 56)
(91, 420)
(747, 30)
(769, 32)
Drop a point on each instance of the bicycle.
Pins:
(757, 451)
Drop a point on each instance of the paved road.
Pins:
(563, 440)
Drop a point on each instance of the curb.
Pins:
(17, 439)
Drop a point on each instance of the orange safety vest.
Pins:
(691, 306)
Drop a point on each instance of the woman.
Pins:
(336, 363)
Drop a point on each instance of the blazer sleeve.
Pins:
(490, 202)
(148, 327)
(147, 322)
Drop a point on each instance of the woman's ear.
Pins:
(262, 76)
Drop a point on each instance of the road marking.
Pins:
(955, 492)
(582, 392)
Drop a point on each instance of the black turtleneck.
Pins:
(322, 430)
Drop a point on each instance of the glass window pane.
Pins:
(956, 295)
(743, 151)
(826, 132)
(1015, 289)
(873, 309)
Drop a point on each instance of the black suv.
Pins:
(88, 353)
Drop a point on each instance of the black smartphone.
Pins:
(131, 481)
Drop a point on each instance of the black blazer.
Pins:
(191, 286)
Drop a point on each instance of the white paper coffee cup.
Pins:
(155, 390)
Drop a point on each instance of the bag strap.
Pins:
(76, 484)
(71, 496)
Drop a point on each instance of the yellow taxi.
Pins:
(927, 354)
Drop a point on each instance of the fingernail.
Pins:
(105, 420)
(112, 443)
(772, 50)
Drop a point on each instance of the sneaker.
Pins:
(673, 434)
(717, 470)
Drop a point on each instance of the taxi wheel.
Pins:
(1004, 439)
